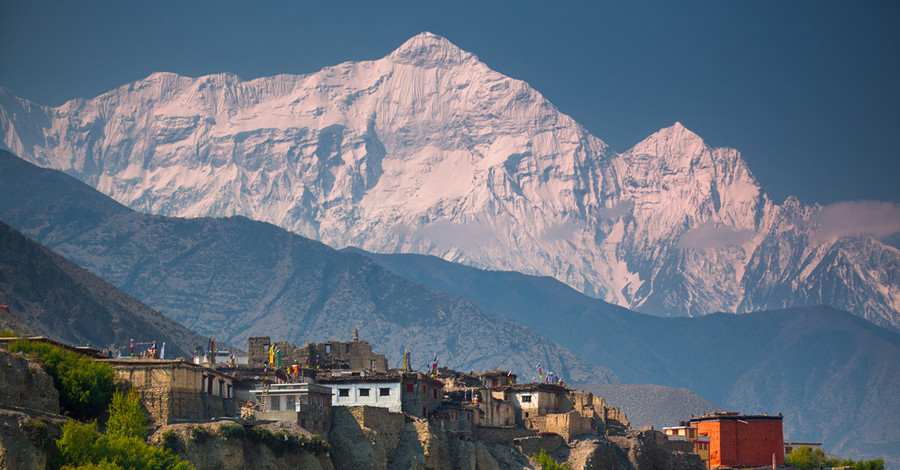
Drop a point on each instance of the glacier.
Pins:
(429, 151)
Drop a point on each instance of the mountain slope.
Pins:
(57, 299)
(428, 150)
(234, 278)
(833, 375)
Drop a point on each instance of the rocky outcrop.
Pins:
(647, 450)
(367, 438)
(595, 454)
(27, 441)
(24, 384)
(230, 446)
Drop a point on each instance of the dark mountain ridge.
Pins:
(55, 298)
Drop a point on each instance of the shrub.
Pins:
(805, 457)
(171, 442)
(37, 432)
(547, 462)
(232, 431)
(85, 386)
(199, 435)
(126, 417)
(7, 333)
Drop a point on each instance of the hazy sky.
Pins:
(808, 91)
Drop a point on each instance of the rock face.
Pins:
(29, 408)
(646, 450)
(26, 440)
(24, 384)
(217, 452)
(428, 150)
(367, 438)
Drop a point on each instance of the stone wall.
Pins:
(567, 425)
(258, 351)
(502, 435)
(531, 445)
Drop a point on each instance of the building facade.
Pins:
(737, 440)
(308, 405)
(177, 390)
(691, 434)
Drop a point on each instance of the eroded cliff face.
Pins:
(210, 446)
(366, 438)
(29, 414)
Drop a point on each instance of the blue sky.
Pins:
(808, 91)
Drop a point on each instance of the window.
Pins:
(526, 398)
(364, 392)
(327, 349)
(384, 392)
(347, 349)
(424, 389)
(410, 388)
(526, 414)
(343, 392)
(373, 363)
(434, 393)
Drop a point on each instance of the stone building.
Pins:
(496, 378)
(305, 404)
(352, 355)
(177, 390)
(737, 440)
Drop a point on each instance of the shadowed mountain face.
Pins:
(234, 278)
(427, 150)
(833, 375)
(54, 297)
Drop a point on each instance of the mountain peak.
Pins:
(675, 138)
(430, 50)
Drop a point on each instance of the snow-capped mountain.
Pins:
(430, 151)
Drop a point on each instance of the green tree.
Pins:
(81, 447)
(805, 457)
(85, 386)
(547, 462)
(126, 417)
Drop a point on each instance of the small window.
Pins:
(424, 389)
(373, 363)
(410, 388)
(343, 392)
(434, 393)
(384, 392)
(526, 414)
(526, 398)
(327, 349)
(364, 392)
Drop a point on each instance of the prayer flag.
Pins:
(162, 351)
(278, 354)
(5, 308)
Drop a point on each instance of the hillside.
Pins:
(234, 278)
(57, 299)
(428, 150)
(831, 374)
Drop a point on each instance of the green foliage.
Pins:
(7, 333)
(804, 457)
(232, 431)
(200, 435)
(85, 386)
(172, 442)
(37, 432)
(547, 462)
(126, 417)
(82, 447)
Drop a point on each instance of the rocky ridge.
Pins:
(428, 150)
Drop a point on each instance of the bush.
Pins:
(85, 386)
(126, 417)
(37, 432)
(172, 442)
(199, 435)
(805, 457)
(232, 431)
(547, 462)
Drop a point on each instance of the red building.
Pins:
(737, 440)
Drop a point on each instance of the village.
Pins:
(319, 385)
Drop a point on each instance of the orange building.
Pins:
(737, 440)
